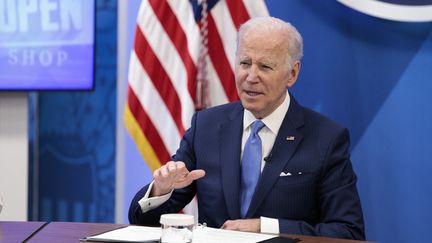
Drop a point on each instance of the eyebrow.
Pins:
(267, 62)
(264, 61)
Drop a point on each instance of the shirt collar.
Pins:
(273, 121)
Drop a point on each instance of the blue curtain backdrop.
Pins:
(76, 138)
(374, 76)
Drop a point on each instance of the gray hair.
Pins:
(295, 40)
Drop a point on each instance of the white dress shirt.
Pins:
(267, 134)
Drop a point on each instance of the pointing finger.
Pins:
(196, 174)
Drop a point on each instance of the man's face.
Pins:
(263, 71)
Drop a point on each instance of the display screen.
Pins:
(46, 44)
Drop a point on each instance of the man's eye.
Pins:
(244, 63)
(266, 67)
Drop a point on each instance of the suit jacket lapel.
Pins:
(230, 144)
(284, 147)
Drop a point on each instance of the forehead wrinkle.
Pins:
(254, 45)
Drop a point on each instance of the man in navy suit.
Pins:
(306, 184)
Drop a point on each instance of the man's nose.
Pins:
(253, 74)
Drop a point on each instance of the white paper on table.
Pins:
(201, 234)
(212, 235)
(128, 234)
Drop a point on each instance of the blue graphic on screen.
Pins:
(46, 44)
(409, 2)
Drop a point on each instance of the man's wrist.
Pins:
(149, 202)
(156, 192)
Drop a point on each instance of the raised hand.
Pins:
(173, 175)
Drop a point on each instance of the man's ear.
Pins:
(295, 70)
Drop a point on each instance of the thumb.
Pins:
(196, 174)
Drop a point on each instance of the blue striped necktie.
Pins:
(250, 166)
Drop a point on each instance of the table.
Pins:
(65, 232)
(18, 231)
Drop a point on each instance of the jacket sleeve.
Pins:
(180, 197)
(177, 201)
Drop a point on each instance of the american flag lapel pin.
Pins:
(290, 138)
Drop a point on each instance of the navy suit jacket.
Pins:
(318, 198)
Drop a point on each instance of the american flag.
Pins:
(182, 60)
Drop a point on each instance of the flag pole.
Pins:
(202, 97)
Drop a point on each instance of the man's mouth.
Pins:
(252, 93)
